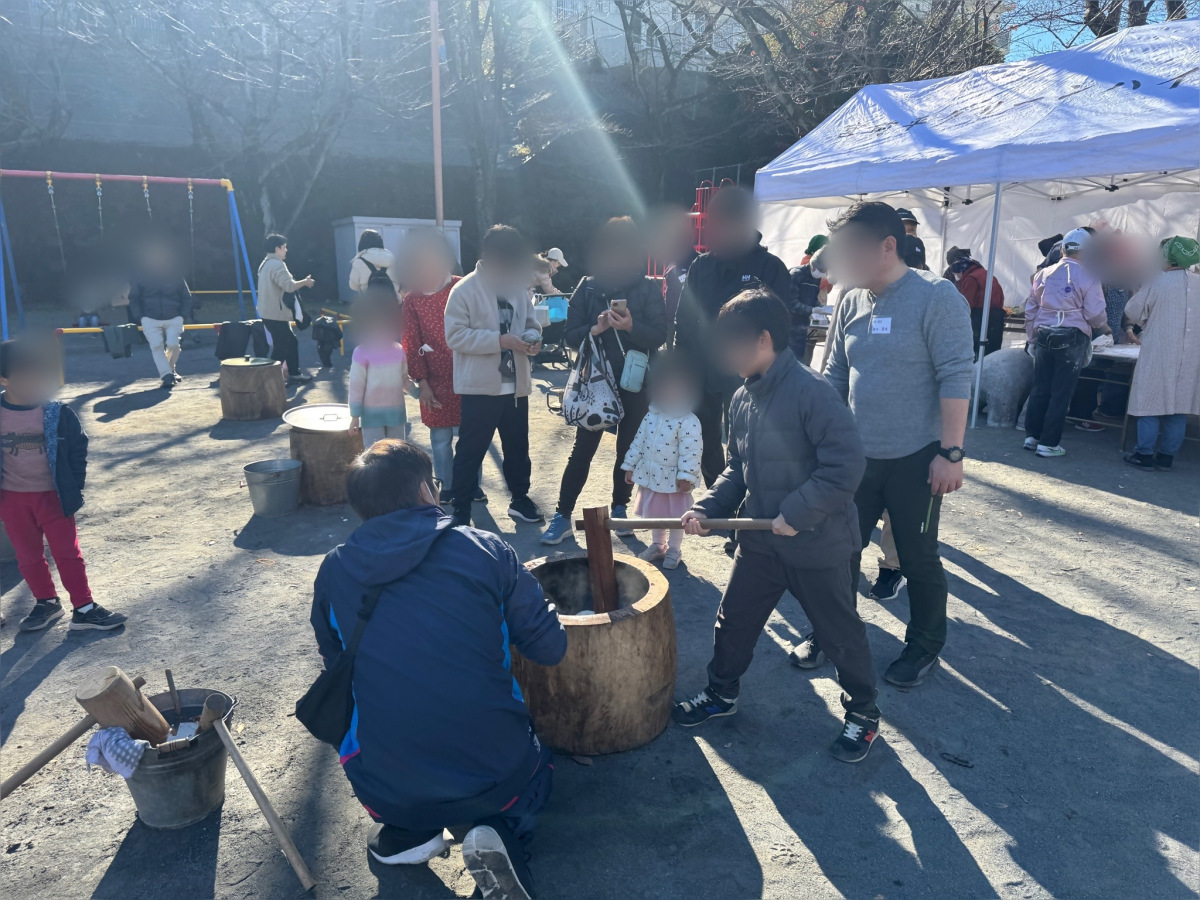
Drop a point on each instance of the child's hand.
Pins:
(629, 478)
(683, 485)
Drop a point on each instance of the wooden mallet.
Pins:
(260, 796)
(76, 731)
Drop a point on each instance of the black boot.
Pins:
(1162, 461)
(1140, 461)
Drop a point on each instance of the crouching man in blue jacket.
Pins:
(440, 736)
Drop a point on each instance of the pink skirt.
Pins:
(653, 505)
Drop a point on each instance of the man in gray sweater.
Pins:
(900, 354)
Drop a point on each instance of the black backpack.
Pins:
(378, 276)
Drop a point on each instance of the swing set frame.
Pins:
(240, 256)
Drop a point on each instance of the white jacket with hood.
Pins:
(380, 258)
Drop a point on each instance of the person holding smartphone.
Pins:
(623, 310)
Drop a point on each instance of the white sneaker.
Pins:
(1043, 450)
(671, 560)
(653, 553)
(393, 850)
(1030, 443)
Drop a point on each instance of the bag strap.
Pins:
(370, 600)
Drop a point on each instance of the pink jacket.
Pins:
(1065, 294)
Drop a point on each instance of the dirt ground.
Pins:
(1054, 752)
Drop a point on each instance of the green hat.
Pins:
(1181, 251)
(816, 243)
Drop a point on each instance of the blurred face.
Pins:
(728, 236)
(745, 355)
(858, 258)
(910, 227)
(617, 259)
(554, 266)
(674, 395)
(428, 272)
(671, 236)
(31, 387)
(281, 251)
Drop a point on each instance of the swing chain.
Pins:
(192, 229)
(100, 203)
(146, 194)
(54, 212)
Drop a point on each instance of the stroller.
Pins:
(553, 348)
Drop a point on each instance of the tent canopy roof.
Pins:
(1126, 103)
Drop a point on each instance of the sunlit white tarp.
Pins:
(1111, 130)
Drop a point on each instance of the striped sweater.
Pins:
(378, 382)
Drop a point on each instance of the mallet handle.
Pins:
(78, 730)
(710, 524)
(264, 803)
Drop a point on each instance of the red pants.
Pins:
(27, 519)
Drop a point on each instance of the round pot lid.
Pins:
(319, 417)
(248, 361)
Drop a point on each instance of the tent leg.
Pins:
(12, 271)
(237, 262)
(981, 341)
(237, 222)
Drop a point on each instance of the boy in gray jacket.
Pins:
(795, 457)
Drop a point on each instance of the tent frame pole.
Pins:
(981, 341)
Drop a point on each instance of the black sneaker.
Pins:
(1141, 461)
(1162, 461)
(168, 382)
(911, 668)
(302, 378)
(97, 618)
(479, 496)
(44, 612)
(806, 654)
(854, 743)
(496, 861)
(704, 706)
(888, 585)
(445, 498)
(525, 510)
(462, 517)
(398, 847)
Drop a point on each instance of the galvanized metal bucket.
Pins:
(274, 486)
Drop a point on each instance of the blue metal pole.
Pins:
(237, 219)
(237, 267)
(12, 271)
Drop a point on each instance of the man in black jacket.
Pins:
(736, 260)
(794, 457)
(159, 300)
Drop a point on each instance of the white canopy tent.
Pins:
(998, 158)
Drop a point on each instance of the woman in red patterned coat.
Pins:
(426, 264)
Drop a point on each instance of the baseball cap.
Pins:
(1075, 239)
(912, 251)
(557, 256)
(906, 215)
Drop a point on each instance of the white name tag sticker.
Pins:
(881, 326)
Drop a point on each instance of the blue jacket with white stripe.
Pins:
(439, 718)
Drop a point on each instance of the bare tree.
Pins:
(1103, 17)
(33, 101)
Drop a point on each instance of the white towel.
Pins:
(113, 750)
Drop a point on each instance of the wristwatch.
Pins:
(954, 454)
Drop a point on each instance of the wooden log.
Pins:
(252, 390)
(614, 689)
(710, 524)
(600, 559)
(264, 804)
(112, 699)
(326, 456)
(57, 746)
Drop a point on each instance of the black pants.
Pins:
(1057, 362)
(587, 442)
(757, 582)
(482, 417)
(995, 329)
(284, 346)
(901, 486)
(711, 413)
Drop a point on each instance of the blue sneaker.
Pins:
(704, 706)
(621, 512)
(559, 529)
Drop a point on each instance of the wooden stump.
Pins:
(112, 700)
(252, 389)
(614, 689)
(326, 456)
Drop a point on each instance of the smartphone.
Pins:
(619, 304)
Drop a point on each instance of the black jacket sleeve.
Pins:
(135, 301)
(777, 277)
(75, 442)
(650, 320)
(579, 323)
(829, 427)
(688, 325)
(725, 497)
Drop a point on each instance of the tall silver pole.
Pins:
(981, 343)
(436, 68)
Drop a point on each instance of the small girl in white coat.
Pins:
(664, 458)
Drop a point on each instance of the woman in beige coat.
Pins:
(1166, 382)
